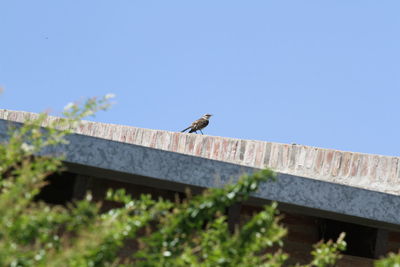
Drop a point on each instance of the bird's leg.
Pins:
(201, 131)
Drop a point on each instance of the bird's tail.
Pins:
(185, 129)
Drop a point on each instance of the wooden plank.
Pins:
(381, 243)
(234, 216)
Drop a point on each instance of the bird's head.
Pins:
(207, 116)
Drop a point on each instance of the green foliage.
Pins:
(392, 260)
(326, 254)
(193, 232)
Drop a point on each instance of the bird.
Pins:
(199, 124)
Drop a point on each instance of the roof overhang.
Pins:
(170, 170)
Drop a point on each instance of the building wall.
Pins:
(394, 241)
(353, 170)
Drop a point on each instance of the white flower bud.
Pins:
(27, 148)
(108, 96)
(69, 106)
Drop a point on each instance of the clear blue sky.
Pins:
(318, 73)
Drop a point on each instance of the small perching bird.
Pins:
(199, 124)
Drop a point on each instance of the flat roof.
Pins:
(359, 187)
